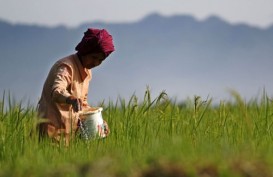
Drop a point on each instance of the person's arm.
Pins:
(84, 102)
(60, 93)
(62, 81)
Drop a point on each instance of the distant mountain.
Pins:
(178, 54)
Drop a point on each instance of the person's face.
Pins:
(92, 60)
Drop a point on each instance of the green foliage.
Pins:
(228, 139)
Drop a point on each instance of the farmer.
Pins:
(66, 87)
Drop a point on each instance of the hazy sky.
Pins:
(74, 12)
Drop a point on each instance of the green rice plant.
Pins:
(229, 139)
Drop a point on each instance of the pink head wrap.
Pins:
(95, 41)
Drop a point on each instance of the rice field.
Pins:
(155, 137)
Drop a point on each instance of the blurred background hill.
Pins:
(178, 54)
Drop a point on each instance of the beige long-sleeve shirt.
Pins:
(67, 77)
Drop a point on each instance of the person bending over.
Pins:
(66, 87)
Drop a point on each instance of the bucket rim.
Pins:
(98, 109)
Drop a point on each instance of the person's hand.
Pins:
(75, 102)
(106, 128)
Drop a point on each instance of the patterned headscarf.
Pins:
(95, 41)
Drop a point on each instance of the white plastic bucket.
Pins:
(92, 125)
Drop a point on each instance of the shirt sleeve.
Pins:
(61, 83)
